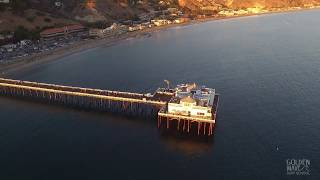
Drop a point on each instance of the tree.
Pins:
(18, 6)
(48, 20)
(21, 33)
(2, 7)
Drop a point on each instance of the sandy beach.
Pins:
(48, 56)
(51, 55)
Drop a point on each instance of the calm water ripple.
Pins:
(266, 68)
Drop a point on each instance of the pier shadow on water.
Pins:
(86, 113)
(186, 144)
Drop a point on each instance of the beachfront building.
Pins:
(181, 20)
(256, 10)
(94, 32)
(115, 29)
(241, 12)
(227, 13)
(5, 1)
(190, 100)
(63, 31)
(9, 47)
(6, 38)
(161, 22)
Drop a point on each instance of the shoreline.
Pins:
(56, 54)
(53, 55)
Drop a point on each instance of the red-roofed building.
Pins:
(66, 30)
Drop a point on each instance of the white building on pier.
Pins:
(193, 101)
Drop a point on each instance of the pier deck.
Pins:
(133, 104)
(106, 94)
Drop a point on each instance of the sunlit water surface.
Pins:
(266, 69)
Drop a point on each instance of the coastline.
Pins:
(52, 55)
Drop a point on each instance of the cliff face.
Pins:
(271, 3)
(85, 10)
(34, 14)
(92, 11)
(192, 4)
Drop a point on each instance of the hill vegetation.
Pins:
(35, 15)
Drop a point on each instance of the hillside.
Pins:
(237, 4)
(30, 19)
(85, 10)
(271, 3)
(31, 13)
(94, 10)
(38, 14)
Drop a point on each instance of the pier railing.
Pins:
(103, 100)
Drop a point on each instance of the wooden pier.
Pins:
(132, 104)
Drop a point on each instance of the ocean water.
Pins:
(266, 68)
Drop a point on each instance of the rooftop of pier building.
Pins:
(192, 94)
(192, 100)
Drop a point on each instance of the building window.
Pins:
(200, 114)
